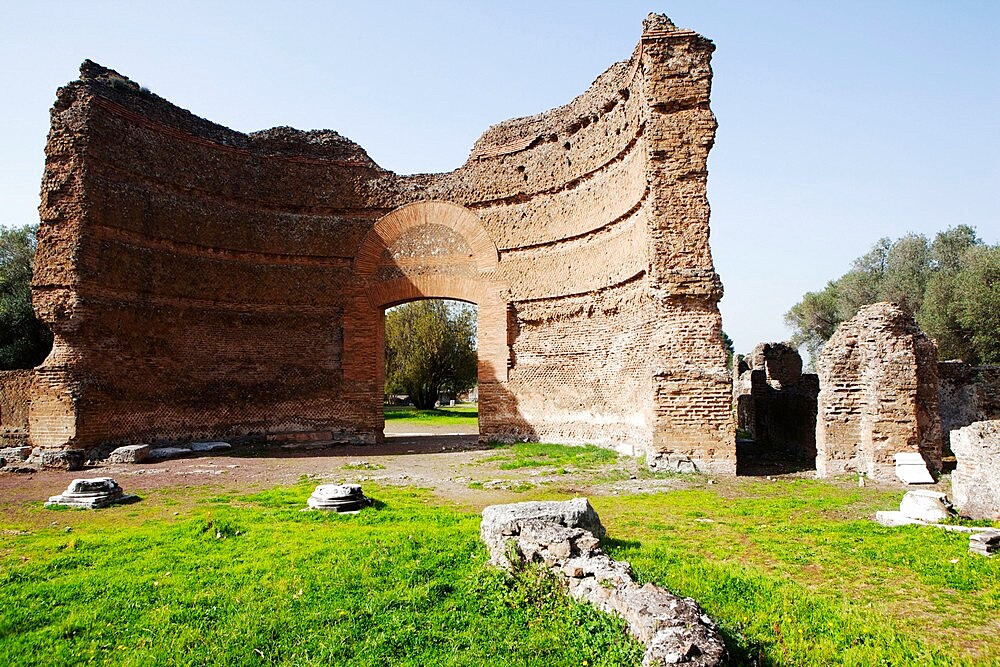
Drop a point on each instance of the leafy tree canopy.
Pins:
(430, 348)
(24, 341)
(951, 285)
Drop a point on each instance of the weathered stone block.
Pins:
(975, 482)
(16, 453)
(929, 506)
(163, 453)
(130, 454)
(69, 459)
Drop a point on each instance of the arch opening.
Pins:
(429, 368)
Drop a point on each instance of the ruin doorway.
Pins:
(775, 404)
(429, 369)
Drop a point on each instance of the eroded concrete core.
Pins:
(202, 283)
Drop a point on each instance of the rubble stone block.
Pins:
(975, 483)
(130, 454)
(674, 629)
(69, 459)
(16, 453)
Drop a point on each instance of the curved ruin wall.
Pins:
(203, 282)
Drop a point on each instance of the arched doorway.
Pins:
(433, 250)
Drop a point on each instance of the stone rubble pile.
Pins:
(986, 543)
(564, 537)
(340, 498)
(93, 493)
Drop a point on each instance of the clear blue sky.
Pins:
(840, 122)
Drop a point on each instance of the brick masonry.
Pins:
(204, 283)
(775, 401)
(878, 395)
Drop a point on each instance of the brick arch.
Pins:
(389, 228)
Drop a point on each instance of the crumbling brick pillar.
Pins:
(693, 420)
(878, 395)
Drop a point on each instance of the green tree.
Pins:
(24, 340)
(727, 343)
(924, 278)
(430, 348)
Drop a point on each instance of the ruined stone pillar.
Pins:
(878, 395)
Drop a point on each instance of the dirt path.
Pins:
(452, 466)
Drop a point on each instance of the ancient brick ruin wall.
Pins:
(775, 401)
(967, 394)
(15, 400)
(201, 282)
(878, 395)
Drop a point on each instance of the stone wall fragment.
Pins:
(674, 629)
(975, 481)
(878, 395)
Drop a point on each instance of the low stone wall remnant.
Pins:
(563, 537)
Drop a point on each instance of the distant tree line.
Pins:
(951, 285)
(24, 340)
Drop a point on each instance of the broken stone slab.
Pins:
(674, 629)
(928, 506)
(130, 454)
(975, 482)
(912, 469)
(210, 446)
(340, 498)
(93, 493)
(163, 453)
(986, 543)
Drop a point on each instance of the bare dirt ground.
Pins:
(446, 464)
(452, 466)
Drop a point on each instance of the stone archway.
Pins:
(435, 250)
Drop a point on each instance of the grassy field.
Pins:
(463, 414)
(792, 570)
(187, 577)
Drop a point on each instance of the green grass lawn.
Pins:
(541, 455)
(463, 414)
(252, 580)
(790, 569)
